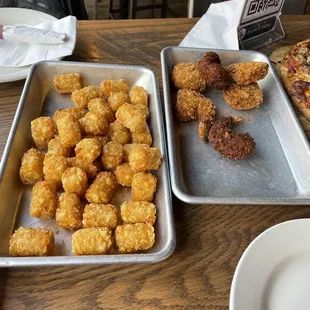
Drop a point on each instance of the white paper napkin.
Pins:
(218, 27)
(20, 54)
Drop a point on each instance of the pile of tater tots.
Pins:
(82, 156)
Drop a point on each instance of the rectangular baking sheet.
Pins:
(279, 171)
(39, 98)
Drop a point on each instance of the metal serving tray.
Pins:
(279, 172)
(39, 98)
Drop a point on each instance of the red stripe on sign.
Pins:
(1, 31)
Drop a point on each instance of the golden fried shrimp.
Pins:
(145, 159)
(42, 130)
(103, 139)
(243, 97)
(44, 200)
(138, 212)
(143, 187)
(102, 189)
(88, 149)
(69, 212)
(100, 215)
(82, 96)
(131, 117)
(138, 95)
(142, 137)
(74, 180)
(53, 167)
(134, 237)
(124, 174)
(31, 242)
(112, 155)
(245, 73)
(55, 147)
(99, 106)
(76, 113)
(69, 131)
(67, 83)
(113, 86)
(91, 169)
(117, 99)
(128, 148)
(186, 75)
(94, 124)
(119, 133)
(31, 169)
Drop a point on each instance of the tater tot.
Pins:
(82, 96)
(143, 187)
(53, 167)
(113, 86)
(69, 131)
(103, 140)
(124, 174)
(145, 159)
(43, 200)
(138, 212)
(142, 137)
(74, 180)
(55, 147)
(102, 189)
(67, 83)
(143, 109)
(138, 95)
(31, 242)
(69, 211)
(31, 169)
(88, 149)
(99, 106)
(134, 237)
(128, 148)
(117, 99)
(131, 117)
(100, 215)
(92, 241)
(90, 169)
(112, 155)
(94, 124)
(76, 113)
(42, 130)
(118, 133)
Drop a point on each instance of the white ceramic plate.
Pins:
(11, 16)
(274, 271)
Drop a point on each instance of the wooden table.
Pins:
(210, 239)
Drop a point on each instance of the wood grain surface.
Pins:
(210, 239)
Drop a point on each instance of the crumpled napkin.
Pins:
(218, 27)
(18, 54)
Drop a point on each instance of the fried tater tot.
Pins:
(94, 124)
(245, 73)
(143, 187)
(134, 237)
(31, 242)
(131, 117)
(89, 168)
(145, 159)
(112, 155)
(42, 130)
(124, 174)
(103, 139)
(92, 241)
(138, 95)
(74, 180)
(31, 169)
(142, 137)
(100, 215)
(55, 147)
(117, 99)
(76, 113)
(99, 106)
(82, 96)
(138, 212)
(88, 149)
(53, 167)
(102, 189)
(186, 75)
(128, 148)
(143, 109)
(69, 131)
(113, 86)
(67, 83)
(43, 200)
(119, 133)
(69, 211)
